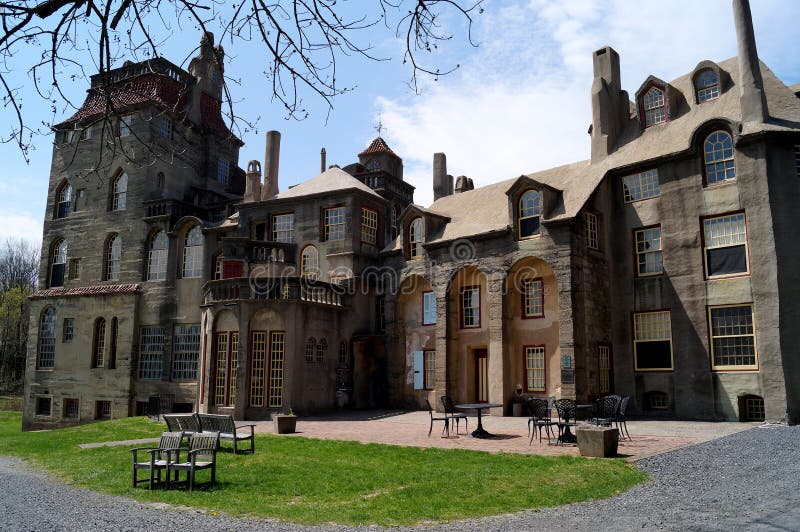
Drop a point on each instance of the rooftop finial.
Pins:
(379, 127)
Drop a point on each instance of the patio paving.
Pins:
(410, 428)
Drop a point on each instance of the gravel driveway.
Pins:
(746, 481)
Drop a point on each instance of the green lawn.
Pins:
(319, 481)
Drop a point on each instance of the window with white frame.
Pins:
(649, 255)
(641, 186)
(277, 349)
(157, 257)
(592, 234)
(369, 226)
(59, 263)
(151, 353)
(113, 257)
(193, 253)
(334, 223)
(283, 227)
(470, 307)
(185, 351)
(733, 337)
(655, 111)
(652, 340)
(64, 200)
(718, 157)
(223, 171)
(428, 308)
(416, 237)
(604, 368)
(706, 85)
(530, 213)
(725, 245)
(534, 369)
(429, 365)
(99, 344)
(309, 263)
(68, 330)
(311, 347)
(532, 298)
(46, 351)
(119, 192)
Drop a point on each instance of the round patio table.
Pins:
(480, 407)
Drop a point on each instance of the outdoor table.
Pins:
(479, 432)
(568, 436)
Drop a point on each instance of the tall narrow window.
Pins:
(470, 307)
(193, 253)
(718, 154)
(381, 313)
(59, 263)
(334, 223)
(416, 236)
(309, 263)
(68, 330)
(652, 340)
(343, 354)
(530, 213)
(63, 200)
(322, 351)
(641, 186)
(185, 352)
(655, 111)
(592, 239)
(725, 245)
(99, 344)
(258, 361)
(157, 257)
(165, 129)
(534, 369)
(311, 346)
(429, 369)
(369, 226)
(648, 252)
(151, 353)
(533, 298)
(428, 308)
(119, 192)
(604, 368)
(221, 378)
(276, 356)
(733, 337)
(706, 85)
(112, 344)
(283, 227)
(223, 171)
(46, 352)
(113, 256)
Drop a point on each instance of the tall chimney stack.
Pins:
(252, 189)
(322, 158)
(271, 159)
(442, 182)
(610, 108)
(751, 86)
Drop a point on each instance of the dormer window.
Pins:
(706, 85)
(655, 110)
(530, 213)
(416, 236)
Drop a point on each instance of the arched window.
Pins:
(59, 263)
(157, 257)
(63, 200)
(99, 343)
(193, 253)
(343, 353)
(718, 153)
(119, 192)
(655, 110)
(416, 236)
(311, 345)
(46, 353)
(530, 213)
(309, 263)
(706, 85)
(113, 256)
(161, 181)
(322, 350)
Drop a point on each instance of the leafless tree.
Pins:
(302, 39)
(19, 267)
(19, 264)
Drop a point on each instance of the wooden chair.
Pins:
(159, 458)
(202, 454)
(450, 412)
(437, 418)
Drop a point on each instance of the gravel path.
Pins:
(746, 481)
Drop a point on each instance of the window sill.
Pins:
(649, 275)
(730, 276)
(719, 184)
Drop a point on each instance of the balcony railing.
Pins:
(273, 288)
(272, 252)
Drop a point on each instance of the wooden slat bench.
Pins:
(228, 430)
(187, 423)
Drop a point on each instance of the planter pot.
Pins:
(516, 409)
(284, 424)
(597, 441)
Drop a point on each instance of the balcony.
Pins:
(273, 289)
(262, 251)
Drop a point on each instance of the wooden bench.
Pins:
(228, 430)
(187, 423)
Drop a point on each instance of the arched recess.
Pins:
(468, 355)
(531, 328)
(414, 356)
(224, 359)
(266, 359)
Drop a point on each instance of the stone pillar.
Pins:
(242, 312)
(203, 400)
(444, 379)
(499, 382)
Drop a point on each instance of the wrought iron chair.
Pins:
(539, 412)
(159, 458)
(620, 420)
(566, 409)
(450, 412)
(606, 410)
(434, 417)
(202, 454)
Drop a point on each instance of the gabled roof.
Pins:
(377, 146)
(330, 181)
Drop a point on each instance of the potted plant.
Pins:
(284, 423)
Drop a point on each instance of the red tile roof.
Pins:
(377, 146)
(211, 114)
(97, 290)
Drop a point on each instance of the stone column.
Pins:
(566, 329)
(242, 312)
(444, 378)
(497, 375)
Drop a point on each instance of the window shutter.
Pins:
(419, 380)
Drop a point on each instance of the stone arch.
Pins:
(414, 334)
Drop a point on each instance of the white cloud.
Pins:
(21, 225)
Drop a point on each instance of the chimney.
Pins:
(751, 86)
(322, 157)
(271, 159)
(442, 182)
(610, 105)
(463, 184)
(252, 187)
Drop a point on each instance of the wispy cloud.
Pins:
(21, 225)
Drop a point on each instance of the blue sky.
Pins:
(518, 104)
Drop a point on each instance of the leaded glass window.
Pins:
(151, 353)
(185, 352)
(119, 192)
(113, 258)
(718, 155)
(725, 239)
(648, 252)
(641, 186)
(157, 257)
(59, 264)
(99, 354)
(64, 201)
(530, 213)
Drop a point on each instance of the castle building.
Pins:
(664, 267)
